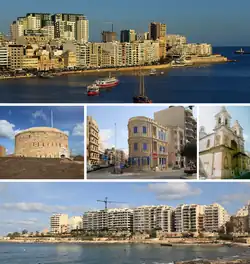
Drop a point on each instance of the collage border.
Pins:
(85, 107)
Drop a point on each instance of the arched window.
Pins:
(219, 121)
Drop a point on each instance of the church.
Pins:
(221, 153)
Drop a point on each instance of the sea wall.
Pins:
(210, 59)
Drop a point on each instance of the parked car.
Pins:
(96, 167)
(89, 168)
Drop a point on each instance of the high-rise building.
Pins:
(157, 30)
(189, 218)
(147, 218)
(215, 217)
(82, 30)
(179, 116)
(59, 223)
(128, 35)
(92, 141)
(108, 36)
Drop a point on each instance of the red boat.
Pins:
(93, 90)
(107, 83)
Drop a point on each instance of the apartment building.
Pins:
(157, 30)
(16, 53)
(111, 219)
(175, 40)
(147, 218)
(179, 116)
(59, 223)
(128, 35)
(108, 36)
(148, 144)
(82, 30)
(189, 218)
(2, 151)
(215, 217)
(92, 141)
(243, 211)
(3, 56)
(75, 222)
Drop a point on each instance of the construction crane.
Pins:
(112, 25)
(106, 201)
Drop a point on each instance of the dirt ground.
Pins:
(33, 168)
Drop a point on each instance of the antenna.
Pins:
(51, 115)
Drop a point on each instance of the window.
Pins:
(163, 149)
(226, 122)
(219, 121)
(135, 130)
(144, 130)
(145, 146)
(208, 143)
(135, 146)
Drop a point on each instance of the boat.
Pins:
(46, 76)
(162, 73)
(107, 82)
(93, 90)
(152, 72)
(241, 51)
(166, 245)
(141, 98)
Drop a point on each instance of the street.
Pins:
(105, 173)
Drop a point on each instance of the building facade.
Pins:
(42, 142)
(148, 144)
(59, 223)
(222, 152)
(92, 141)
(75, 223)
(4, 57)
(215, 217)
(158, 217)
(189, 218)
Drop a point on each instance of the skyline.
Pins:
(240, 113)
(118, 116)
(14, 119)
(193, 21)
(29, 205)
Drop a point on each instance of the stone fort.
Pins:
(42, 142)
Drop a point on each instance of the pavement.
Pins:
(106, 174)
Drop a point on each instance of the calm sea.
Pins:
(221, 83)
(110, 254)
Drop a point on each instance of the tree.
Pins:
(24, 232)
(190, 150)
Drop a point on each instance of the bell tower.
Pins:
(223, 118)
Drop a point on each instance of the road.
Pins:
(105, 174)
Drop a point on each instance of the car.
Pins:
(96, 167)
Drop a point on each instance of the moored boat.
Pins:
(107, 82)
(93, 90)
(46, 76)
(241, 51)
(152, 72)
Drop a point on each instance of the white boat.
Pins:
(107, 82)
(152, 72)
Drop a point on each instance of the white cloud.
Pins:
(173, 191)
(78, 130)
(234, 197)
(30, 221)
(105, 136)
(40, 208)
(7, 129)
(206, 117)
(39, 114)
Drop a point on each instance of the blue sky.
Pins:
(68, 119)
(107, 116)
(29, 205)
(223, 22)
(240, 113)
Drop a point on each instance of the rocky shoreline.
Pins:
(238, 261)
